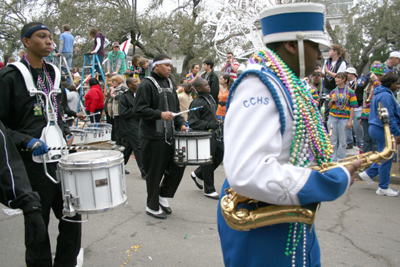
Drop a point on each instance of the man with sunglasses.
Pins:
(116, 61)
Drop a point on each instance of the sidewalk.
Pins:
(394, 174)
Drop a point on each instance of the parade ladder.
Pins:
(89, 64)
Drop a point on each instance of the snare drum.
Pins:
(79, 135)
(92, 181)
(192, 148)
(98, 132)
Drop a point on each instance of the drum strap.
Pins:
(212, 104)
(30, 86)
(159, 88)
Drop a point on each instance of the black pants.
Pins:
(97, 117)
(158, 163)
(117, 130)
(206, 172)
(131, 142)
(110, 120)
(69, 236)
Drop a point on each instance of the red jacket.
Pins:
(94, 99)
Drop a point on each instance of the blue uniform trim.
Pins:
(292, 22)
(326, 186)
(262, 76)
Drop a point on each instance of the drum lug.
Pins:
(68, 205)
(181, 157)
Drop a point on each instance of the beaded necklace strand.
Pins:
(310, 140)
(51, 87)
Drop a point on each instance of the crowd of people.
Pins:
(284, 106)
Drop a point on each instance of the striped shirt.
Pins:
(367, 103)
(351, 103)
(230, 71)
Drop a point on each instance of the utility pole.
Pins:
(134, 5)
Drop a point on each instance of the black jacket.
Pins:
(203, 118)
(150, 103)
(213, 82)
(126, 110)
(16, 107)
(15, 189)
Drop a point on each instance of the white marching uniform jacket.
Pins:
(257, 153)
(257, 137)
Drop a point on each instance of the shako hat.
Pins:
(292, 22)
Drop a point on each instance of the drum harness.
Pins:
(167, 126)
(50, 114)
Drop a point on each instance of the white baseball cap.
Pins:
(395, 54)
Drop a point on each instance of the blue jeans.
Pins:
(368, 143)
(68, 58)
(338, 138)
(383, 169)
(358, 129)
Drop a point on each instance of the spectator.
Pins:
(357, 127)
(1, 65)
(66, 48)
(231, 66)
(117, 88)
(211, 78)
(194, 73)
(98, 47)
(186, 98)
(146, 65)
(342, 103)
(375, 76)
(384, 95)
(138, 72)
(72, 97)
(392, 62)
(336, 63)
(179, 89)
(6, 57)
(11, 60)
(94, 100)
(75, 74)
(316, 82)
(226, 82)
(116, 61)
(21, 54)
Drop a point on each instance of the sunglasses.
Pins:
(116, 46)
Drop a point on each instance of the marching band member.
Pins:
(205, 119)
(283, 134)
(24, 116)
(156, 100)
(16, 191)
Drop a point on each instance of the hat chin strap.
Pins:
(300, 37)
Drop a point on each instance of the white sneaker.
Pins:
(387, 192)
(116, 147)
(121, 148)
(197, 181)
(366, 178)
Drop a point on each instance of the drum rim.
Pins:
(92, 211)
(107, 161)
(193, 134)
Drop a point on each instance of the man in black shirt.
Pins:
(212, 78)
(130, 124)
(24, 116)
(205, 119)
(156, 101)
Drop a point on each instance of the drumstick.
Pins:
(93, 114)
(186, 111)
(74, 148)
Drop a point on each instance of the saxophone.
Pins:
(239, 217)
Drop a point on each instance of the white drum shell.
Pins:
(98, 132)
(197, 149)
(79, 136)
(95, 180)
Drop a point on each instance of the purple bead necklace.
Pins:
(44, 85)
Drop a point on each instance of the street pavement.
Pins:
(359, 229)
